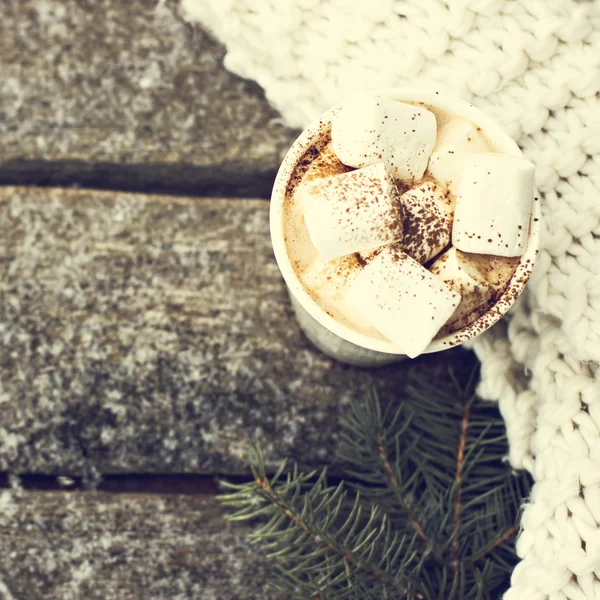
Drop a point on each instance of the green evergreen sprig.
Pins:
(428, 509)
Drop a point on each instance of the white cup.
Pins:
(340, 341)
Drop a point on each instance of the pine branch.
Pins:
(428, 510)
(321, 546)
(465, 509)
(510, 532)
(460, 457)
(318, 536)
(394, 485)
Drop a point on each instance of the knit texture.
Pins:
(534, 65)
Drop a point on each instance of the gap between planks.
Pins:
(179, 179)
(133, 483)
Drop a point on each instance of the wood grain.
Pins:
(154, 334)
(126, 95)
(98, 546)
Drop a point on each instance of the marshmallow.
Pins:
(355, 211)
(427, 221)
(460, 273)
(402, 300)
(493, 205)
(496, 270)
(368, 129)
(328, 280)
(456, 140)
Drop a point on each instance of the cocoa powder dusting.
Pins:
(371, 194)
(359, 259)
(426, 225)
(318, 161)
(499, 272)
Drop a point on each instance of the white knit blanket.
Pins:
(534, 65)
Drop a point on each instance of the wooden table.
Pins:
(145, 332)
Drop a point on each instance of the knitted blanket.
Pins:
(534, 65)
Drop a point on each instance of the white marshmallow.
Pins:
(402, 300)
(354, 211)
(496, 270)
(427, 221)
(460, 273)
(493, 205)
(456, 140)
(368, 129)
(328, 280)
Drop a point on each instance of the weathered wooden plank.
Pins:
(127, 95)
(99, 546)
(154, 334)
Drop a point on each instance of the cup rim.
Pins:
(445, 102)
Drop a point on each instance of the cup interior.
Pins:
(313, 133)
